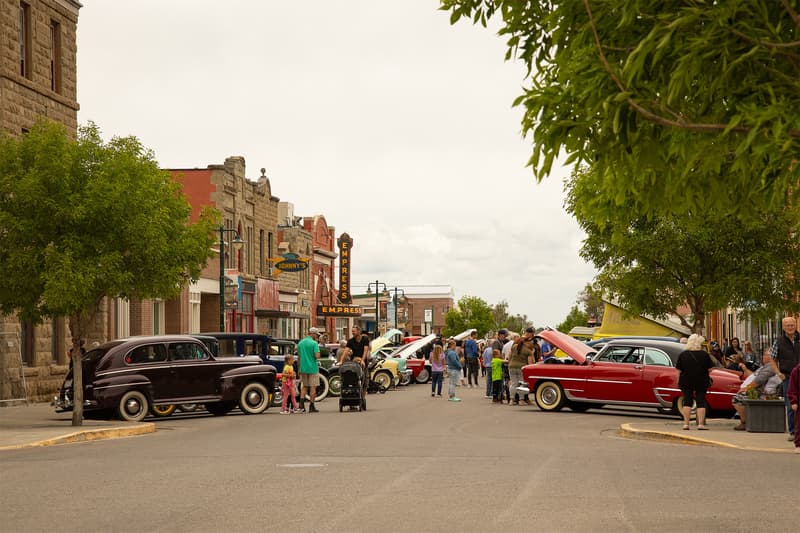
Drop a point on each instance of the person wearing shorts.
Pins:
(308, 350)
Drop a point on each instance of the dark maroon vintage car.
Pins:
(129, 377)
(633, 372)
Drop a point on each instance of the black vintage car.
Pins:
(128, 377)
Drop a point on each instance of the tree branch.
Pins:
(792, 12)
(768, 44)
(649, 115)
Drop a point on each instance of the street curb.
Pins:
(630, 432)
(86, 435)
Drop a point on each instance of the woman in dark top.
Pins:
(693, 366)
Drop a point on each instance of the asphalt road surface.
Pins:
(410, 463)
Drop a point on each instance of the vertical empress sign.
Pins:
(345, 243)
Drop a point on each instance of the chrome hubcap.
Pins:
(253, 397)
(132, 406)
(549, 396)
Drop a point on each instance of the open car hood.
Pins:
(464, 334)
(571, 346)
(377, 344)
(412, 347)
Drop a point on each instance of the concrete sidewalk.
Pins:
(720, 433)
(26, 426)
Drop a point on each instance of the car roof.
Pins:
(673, 349)
(604, 340)
(143, 339)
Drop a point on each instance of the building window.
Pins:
(158, 317)
(240, 252)
(59, 341)
(195, 298)
(123, 322)
(269, 252)
(228, 259)
(25, 40)
(28, 340)
(288, 325)
(261, 252)
(251, 268)
(55, 56)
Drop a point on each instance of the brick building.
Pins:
(38, 78)
(323, 281)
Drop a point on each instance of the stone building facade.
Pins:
(38, 63)
(247, 208)
(38, 78)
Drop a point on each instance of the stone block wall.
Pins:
(24, 99)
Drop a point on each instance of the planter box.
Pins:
(765, 416)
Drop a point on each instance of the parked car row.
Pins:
(218, 371)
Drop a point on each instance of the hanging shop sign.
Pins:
(345, 243)
(290, 262)
(339, 310)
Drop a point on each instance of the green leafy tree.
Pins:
(470, 312)
(707, 260)
(591, 299)
(576, 317)
(696, 102)
(503, 319)
(83, 219)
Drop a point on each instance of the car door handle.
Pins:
(637, 367)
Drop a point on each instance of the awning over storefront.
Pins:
(271, 313)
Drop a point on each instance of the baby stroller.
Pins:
(352, 386)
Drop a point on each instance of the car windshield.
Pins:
(619, 354)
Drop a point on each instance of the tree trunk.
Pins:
(77, 330)
(77, 382)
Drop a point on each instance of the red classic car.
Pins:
(635, 372)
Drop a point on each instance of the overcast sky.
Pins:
(378, 114)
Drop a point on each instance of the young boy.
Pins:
(497, 376)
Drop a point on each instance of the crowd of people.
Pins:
(499, 361)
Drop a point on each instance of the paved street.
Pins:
(410, 463)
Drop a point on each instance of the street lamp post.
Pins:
(236, 244)
(396, 300)
(380, 289)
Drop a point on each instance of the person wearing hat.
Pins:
(521, 354)
(308, 350)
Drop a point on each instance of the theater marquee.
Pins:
(338, 310)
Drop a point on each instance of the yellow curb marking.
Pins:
(626, 430)
(86, 435)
